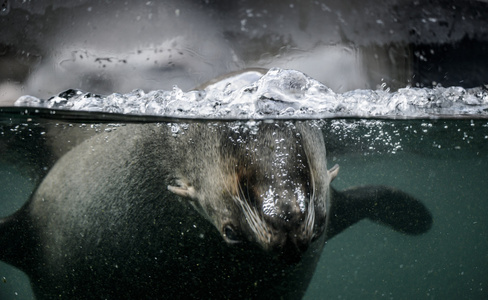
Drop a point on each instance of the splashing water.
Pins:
(276, 94)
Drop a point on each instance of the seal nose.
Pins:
(290, 235)
(292, 250)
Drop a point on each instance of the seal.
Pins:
(221, 210)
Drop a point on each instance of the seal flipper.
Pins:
(385, 205)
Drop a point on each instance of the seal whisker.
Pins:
(227, 189)
(255, 221)
(310, 218)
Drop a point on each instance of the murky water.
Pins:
(449, 262)
(442, 162)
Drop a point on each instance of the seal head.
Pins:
(273, 194)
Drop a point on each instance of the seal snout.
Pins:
(289, 246)
(285, 218)
(290, 235)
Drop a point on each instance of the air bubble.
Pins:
(284, 94)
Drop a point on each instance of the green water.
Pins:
(449, 262)
(443, 163)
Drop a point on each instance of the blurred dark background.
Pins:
(112, 46)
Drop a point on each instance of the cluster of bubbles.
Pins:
(277, 93)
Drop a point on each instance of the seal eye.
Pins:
(231, 235)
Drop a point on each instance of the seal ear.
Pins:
(333, 172)
(183, 189)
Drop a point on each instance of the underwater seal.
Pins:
(221, 210)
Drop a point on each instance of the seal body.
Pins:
(214, 211)
(105, 214)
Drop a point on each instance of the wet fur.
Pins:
(139, 212)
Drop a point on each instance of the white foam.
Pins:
(277, 94)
